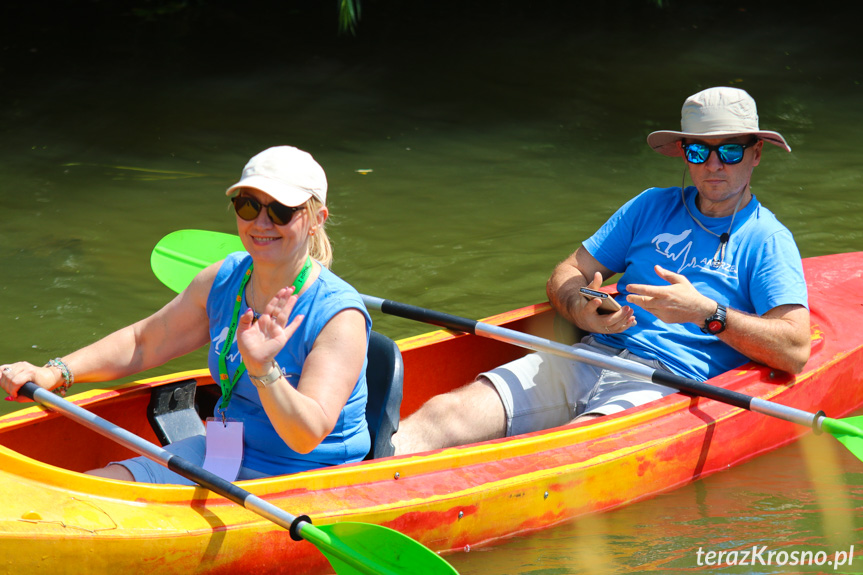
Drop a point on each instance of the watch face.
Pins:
(714, 326)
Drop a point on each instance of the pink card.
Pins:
(224, 448)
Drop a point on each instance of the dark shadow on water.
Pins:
(200, 37)
(442, 64)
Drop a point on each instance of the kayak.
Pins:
(54, 518)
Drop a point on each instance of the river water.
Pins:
(469, 148)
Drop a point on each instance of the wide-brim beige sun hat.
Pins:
(291, 176)
(715, 113)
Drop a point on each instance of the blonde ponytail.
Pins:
(320, 247)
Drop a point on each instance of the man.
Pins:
(710, 279)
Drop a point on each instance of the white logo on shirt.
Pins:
(219, 341)
(667, 242)
(670, 241)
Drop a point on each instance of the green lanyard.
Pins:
(227, 384)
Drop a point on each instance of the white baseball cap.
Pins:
(289, 175)
(715, 113)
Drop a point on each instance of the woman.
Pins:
(294, 375)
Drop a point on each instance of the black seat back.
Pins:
(384, 376)
(172, 412)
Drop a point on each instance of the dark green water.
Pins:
(498, 137)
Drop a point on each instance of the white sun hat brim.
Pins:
(715, 113)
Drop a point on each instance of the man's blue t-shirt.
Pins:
(761, 270)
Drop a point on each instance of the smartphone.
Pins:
(609, 305)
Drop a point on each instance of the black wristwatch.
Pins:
(715, 324)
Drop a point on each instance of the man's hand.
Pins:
(563, 292)
(588, 317)
(678, 302)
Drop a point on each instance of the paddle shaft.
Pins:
(620, 365)
(174, 250)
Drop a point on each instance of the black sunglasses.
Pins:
(248, 208)
(728, 153)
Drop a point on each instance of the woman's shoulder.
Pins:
(224, 274)
(334, 282)
(233, 265)
(236, 260)
(335, 292)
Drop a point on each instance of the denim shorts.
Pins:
(191, 449)
(543, 390)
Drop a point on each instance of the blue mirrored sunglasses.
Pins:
(728, 153)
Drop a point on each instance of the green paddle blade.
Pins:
(848, 431)
(366, 549)
(179, 256)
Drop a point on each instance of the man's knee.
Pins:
(469, 414)
(456, 407)
(481, 414)
(440, 407)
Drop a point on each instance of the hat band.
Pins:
(719, 126)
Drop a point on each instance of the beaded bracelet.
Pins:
(68, 376)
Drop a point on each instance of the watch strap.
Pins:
(715, 324)
(270, 378)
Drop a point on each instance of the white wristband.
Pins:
(272, 376)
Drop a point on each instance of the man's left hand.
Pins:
(678, 302)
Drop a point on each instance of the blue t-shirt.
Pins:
(263, 449)
(761, 270)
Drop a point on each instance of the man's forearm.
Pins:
(780, 341)
(562, 289)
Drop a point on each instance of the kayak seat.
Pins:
(384, 377)
(173, 413)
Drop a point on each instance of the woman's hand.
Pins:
(260, 341)
(15, 375)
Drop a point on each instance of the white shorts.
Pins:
(540, 390)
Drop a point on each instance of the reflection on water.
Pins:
(468, 150)
(777, 501)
